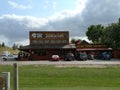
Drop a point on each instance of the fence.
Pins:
(1, 83)
(5, 81)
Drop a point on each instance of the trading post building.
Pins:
(44, 44)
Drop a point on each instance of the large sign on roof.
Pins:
(49, 37)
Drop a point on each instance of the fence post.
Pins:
(1, 83)
(6, 76)
(15, 76)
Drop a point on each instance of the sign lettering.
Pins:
(37, 35)
(41, 37)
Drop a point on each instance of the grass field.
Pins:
(35, 77)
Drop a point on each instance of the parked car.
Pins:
(90, 56)
(15, 56)
(106, 56)
(69, 57)
(82, 56)
(55, 58)
(9, 57)
(2, 57)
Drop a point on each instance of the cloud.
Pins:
(80, 5)
(3, 39)
(101, 12)
(15, 28)
(19, 6)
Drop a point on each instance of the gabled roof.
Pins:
(82, 42)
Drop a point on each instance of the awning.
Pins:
(93, 49)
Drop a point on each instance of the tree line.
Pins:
(2, 44)
(105, 35)
(14, 47)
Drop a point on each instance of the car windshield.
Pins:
(69, 54)
(83, 54)
(10, 55)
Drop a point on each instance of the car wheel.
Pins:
(4, 59)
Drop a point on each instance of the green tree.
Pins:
(3, 44)
(111, 35)
(106, 37)
(15, 46)
(95, 33)
(73, 41)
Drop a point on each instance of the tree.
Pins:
(3, 44)
(15, 46)
(111, 35)
(95, 33)
(107, 32)
(0, 45)
(73, 41)
(20, 46)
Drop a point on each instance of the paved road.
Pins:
(88, 62)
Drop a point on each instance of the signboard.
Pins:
(49, 37)
(91, 46)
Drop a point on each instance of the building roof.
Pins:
(70, 46)
(93, 49)
(81, 42)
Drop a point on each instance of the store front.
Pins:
(45, 44)
(94, 49)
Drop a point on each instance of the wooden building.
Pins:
(44, 44)
(95, 49)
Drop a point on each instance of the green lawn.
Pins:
(35, 77)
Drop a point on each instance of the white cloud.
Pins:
(19, 6)
(101, 12)
(14, 28)
(22, 42)
(3, 39)
(80, 5)
(81, 38)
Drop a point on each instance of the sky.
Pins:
(18, 17)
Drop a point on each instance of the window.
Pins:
(34, 41)
(40, 53)
(46, 41)
(41, 41)
(52, 41)
(58, 41)
(64, 41)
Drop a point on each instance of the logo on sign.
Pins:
(37, 35)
